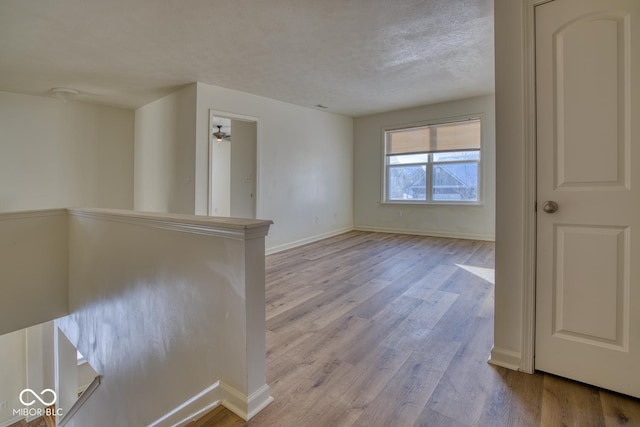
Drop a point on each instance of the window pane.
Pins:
(409, 158)
(455, 182)
(456, 156)
(407, 183)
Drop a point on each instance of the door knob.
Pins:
(550, 206)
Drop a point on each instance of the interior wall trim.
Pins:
(246, 407)
(432, 233)
(231, 228)
(505, 358)
(191, 409)
(290, 245)
(528, 303)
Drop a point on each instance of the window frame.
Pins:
(430, 164)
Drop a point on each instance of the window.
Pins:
(433, 164)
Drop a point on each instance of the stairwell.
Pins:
(168, 309)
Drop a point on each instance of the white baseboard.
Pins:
(211, 397)
(505, 358)
(285, 246)
(192, 409)
(246, 407)
(433, 233)
(258, 400)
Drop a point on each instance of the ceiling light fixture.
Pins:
(219, 135)
(64, 93)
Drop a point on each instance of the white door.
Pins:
(588, 142)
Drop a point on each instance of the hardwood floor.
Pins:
(368, 329)
(49, 421)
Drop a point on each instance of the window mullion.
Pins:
(429, 178)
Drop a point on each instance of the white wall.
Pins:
(305, 161)
(305, 164)
(165, 153)
(34, 266)
(476, 222)
(59, 154)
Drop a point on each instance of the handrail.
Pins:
(81, 400)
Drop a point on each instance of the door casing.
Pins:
(530, 190)
(234, 116)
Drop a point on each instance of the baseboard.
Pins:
(258, 400)
(192, 409)
(432, 233)
(285, 246)
(505, 358)
(246, 407)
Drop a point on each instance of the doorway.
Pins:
(233, 152)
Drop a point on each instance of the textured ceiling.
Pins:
(354, 56)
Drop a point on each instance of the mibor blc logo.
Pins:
(26, 391)
(29, 397)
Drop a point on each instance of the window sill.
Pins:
(423, 203)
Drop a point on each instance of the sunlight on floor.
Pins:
(487, 274)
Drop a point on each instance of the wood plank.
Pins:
(301, 313)
(403, 398)
(459, 320)
(379, 327)
(431, 418)
(430, 281)
(619, 410)
(566, 402)
(515, 400)
(219, 417)
(358, 387)
(285, 302)
(468, 379)
(345, 303)
(284, 341)
(320, 346)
